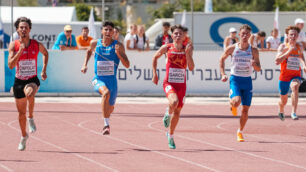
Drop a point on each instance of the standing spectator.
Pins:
(129, 40)
(141, 39)
(65, 40)
(273, 41)
(83, 40)
(258, 38)
(164, 37)
(117, 36)
(302, 37)
(231, 39)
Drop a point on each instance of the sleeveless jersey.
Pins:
(27, 64)
(290, 67)
(106, 60)
(241, 62)
(176, 65)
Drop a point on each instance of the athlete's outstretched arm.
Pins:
(45, 54)
(228, 51)
(162, 50)
(91, 48)
(303, 62)
(283, 53)
(14, 57)
(119, 49)
(255, 61)
(189, 58)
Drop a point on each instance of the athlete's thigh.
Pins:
(283, 87)
(234, 90)
(171, 92)
(295, 82)
(246, 97)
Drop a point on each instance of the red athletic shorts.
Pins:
(178, 89)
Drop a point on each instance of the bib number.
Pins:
(105, 68)
(293, 63)
(176, 75)
(27, 68)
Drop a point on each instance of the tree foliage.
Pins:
(27, 2)
(83, 12)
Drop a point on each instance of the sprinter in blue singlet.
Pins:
(108, 54)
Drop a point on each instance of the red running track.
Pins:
(69, 139)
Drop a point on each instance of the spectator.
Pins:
(301, 40)
(83, 40)
(65, 40)
(141, 39)
(117, 36)
(129, 40)
(231, 39)
(186, 37)
(164, 37)
(258, 38)
(273, 41)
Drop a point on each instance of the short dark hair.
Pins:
(108, 23)
(167, 24)
(177, 26)
(246, 26)
(185, 29)
(261, 34)
(23, 19)
(292, 28)
(85, 27)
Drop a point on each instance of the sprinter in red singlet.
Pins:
(290, 57)
(178, 58)
(23, 55)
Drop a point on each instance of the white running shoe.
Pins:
(32, 126)
(22, 144)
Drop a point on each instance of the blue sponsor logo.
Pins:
(214, 34)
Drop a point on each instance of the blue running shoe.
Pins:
(281, 116)
(294, 116)
(171, 143)
(166, 119)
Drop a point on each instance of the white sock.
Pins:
(239, 131)
(171, 136)
(106, 121)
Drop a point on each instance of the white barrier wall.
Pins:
(64, 75)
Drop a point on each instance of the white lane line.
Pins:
(143, 147)
(1, 165)
(219, 126)
(227, 148)
(65, 150)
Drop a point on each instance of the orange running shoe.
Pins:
(234, 111)
(240, 137)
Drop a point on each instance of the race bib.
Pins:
(293, 63)
(105, 68)
(176, 75)
(27, 68)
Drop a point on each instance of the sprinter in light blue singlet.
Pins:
(108, 54)
(244, 59)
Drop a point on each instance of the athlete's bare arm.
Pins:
(255, 61)
(162, 50)
(283, 53)
(91, 48)
(189, 58)
(14, 57)
(120, 51)
(303, 63)
(228, 51)
(45, 54)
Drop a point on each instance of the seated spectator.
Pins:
(83, 40)
(164, 37)
(186, 37)
(65, 40)
(117, 36)
(258, 39)
(142, 42)
(273, 41)
(231, 39)
(129, 40)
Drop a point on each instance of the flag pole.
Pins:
(192, 20)
(12, 20)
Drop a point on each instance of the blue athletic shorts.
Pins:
(241, 86)
(283, 86)
(110, 85)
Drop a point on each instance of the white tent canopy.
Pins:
(40, 14)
